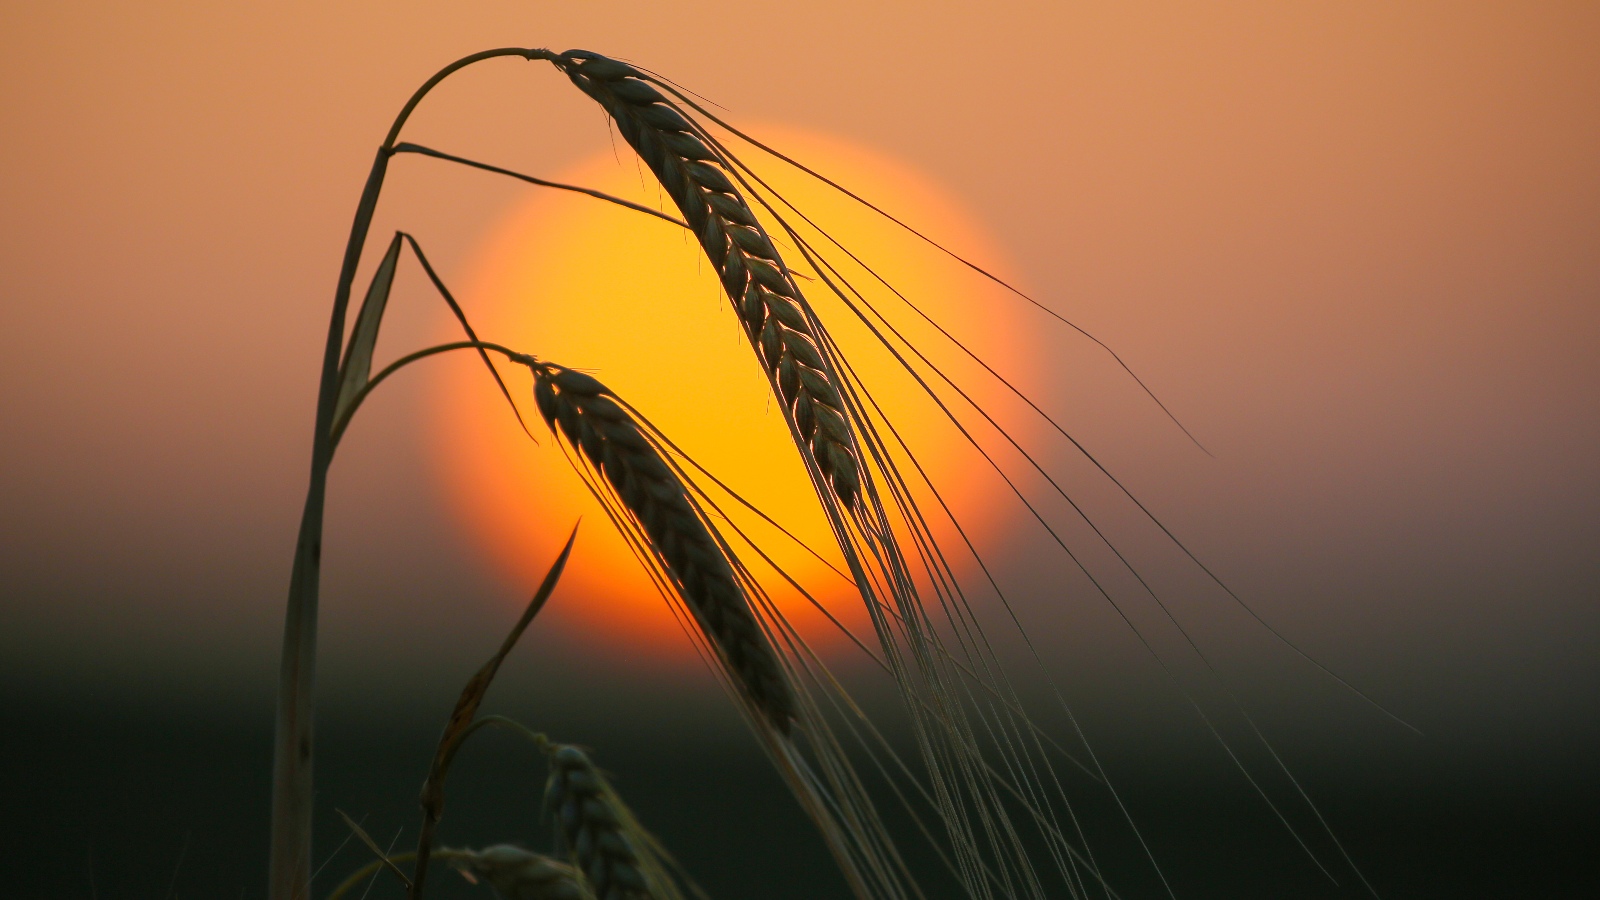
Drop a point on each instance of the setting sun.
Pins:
(629, 299)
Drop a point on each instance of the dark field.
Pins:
(110, 800)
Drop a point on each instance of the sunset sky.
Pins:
(1354, 247)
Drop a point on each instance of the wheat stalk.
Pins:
(289, 867)
(700, 175)
(769, 303)
(840, 432)
(795, 353)
(581, 409)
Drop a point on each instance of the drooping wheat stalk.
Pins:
(780, 328)
(661, 516)
(844, 440)
(715, 191)
(514, 873)
(795, 354)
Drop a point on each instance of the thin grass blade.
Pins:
(357, 365)
(466, 710)
(466, 326)
(361, 835)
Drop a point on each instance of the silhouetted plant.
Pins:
(1001, 820)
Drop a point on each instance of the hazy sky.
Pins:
(1353, 246)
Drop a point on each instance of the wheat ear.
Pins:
(769, 304)
(518, 874)
(581, 409)
(600, 834)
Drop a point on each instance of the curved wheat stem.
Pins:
(769, 304)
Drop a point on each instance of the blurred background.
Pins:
(1353, 247)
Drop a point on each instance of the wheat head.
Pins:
(600, 834)
(518, 874)
(769, 304)
(581, 409)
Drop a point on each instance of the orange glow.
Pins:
(630, 298)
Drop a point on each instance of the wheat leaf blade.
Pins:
(357, 365)
(472, 335)
(383, 858)
(472, 695)
(466, 710)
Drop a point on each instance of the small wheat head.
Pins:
(518, 874)
(600, 834)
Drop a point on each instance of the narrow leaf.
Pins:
(472, 694)
(372, 845)
(357, 365)
(461, 719)
(466, 326)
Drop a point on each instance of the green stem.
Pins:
(420, 150)
(536, 738)
(289, 875)
(355, 402)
